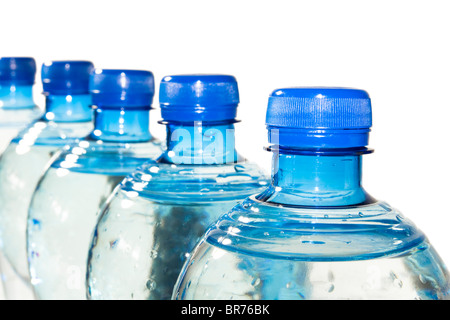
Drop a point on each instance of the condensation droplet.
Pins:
(153, 254)
(113, 244)
(331, 288)
(398, 283)
(255, 282)
(150, 284)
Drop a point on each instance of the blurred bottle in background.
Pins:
(158, 213)
(315, 233)
(67, 117)
(17, 106)
(64, 208)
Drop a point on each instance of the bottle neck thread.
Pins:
(68, 108)
(16, 96)
(121, 124)
(316, 180)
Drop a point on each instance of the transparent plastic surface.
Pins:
(314, 233)
(14, 120)
(17, 110)
(64, 209)
(21, 166)
(261, 251)
(153, 221)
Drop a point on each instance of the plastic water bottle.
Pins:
(17, 106)
(68, 117)
(63, 212)
(17, 109)
(314, 233)
(159, 212)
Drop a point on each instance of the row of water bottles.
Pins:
(93, 207)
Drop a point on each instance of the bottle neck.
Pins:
(121, 125)
(68, 108)
(200, 143)
(317, 180)
(16, 96)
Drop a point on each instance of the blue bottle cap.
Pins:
(319, 117)
(17, 70)
(66, 77)
(122, 88)
(198, 97)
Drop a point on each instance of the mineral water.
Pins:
(17, 110)
(158, 213)
(67, 118)
(64, 208)
(314, 233)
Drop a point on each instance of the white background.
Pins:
(397, 50)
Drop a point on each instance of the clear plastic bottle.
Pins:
(17, 106)
(68, 117)
(17, 109)
(64, 208)
(314, 233)
(159, 212)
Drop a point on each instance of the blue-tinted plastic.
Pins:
(159, 211)
(22, 165)
(76, 185)
(314, 233)
(17, 106)
(319, 117)
(199, 97)
(17, 110)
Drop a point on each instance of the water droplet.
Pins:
(361, 214)
(113, 244)
(255, 282)
(150, 284)
(36, 224)
(398, 283)
(153, 254)
(422, 279)
(246, 205)
(266, 234)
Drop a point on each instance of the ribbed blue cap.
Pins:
(122, 88)
(66, 77)
(319, 117)
(199, 97)
(17, 70)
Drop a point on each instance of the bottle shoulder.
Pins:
(357, 232)
(196, 183)
(19, 117)
(42, 132)
(101, 157)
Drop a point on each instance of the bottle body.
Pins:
(313, 234)
(153, 221)
(21, 167)
(259, 252)
(64, 208)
